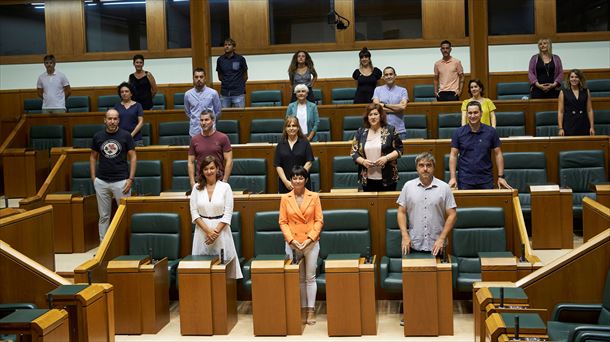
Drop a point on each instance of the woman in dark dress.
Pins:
(292, 150)
(143, 83)
(545, 72)
(130, 113)
(366, 76)
(575, 112)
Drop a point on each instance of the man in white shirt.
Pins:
(53, 87)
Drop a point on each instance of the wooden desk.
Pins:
(350, 296)
(276, 296)
(530, 325)
(37, 325)
(24, 171)
(551, 217)
(602, 192)
(499, 268)
(427, 296)
(208, 302)
(90, 309)
(485, 296)
(141, 291)
(76, 222)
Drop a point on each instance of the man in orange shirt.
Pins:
(448, 75)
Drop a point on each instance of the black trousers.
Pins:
(376, 185)
(447, 96)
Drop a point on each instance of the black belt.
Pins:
(212, 217)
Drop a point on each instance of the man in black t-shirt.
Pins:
(112, 177)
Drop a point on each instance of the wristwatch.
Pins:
(501, 176)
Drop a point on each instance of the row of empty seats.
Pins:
(81, 103)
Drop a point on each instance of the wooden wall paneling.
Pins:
(65, 28)
(346, 38)
(201, 35)
(156, 34)
(545, 18)
(479, 52)
(437, 24)
(249, 23)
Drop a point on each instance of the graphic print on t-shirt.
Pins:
(111, 148)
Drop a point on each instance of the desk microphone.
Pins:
(522, 257)
(517, 327)
(150, 255)
(222, 256)
(89, 277)
(295, 260)
(50, 300)
(501, 297)
(367, 258)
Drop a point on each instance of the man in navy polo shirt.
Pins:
(233, 74)
(474, 143)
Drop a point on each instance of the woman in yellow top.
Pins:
(476, 90)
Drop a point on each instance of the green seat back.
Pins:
(249, 174)
(510, 124)
(345, 173)
(579, 170)
(602, 121)
(230, 128)
(423, 93)
(236, 231)
(523, 169)
(416, 125)
(345, 231)
(148, 177)
(599, 87)
(174, 133)
(265, 98)
(146, 133)
(159, 232)
(268, 238)
(447, 123)
(158, 101)
(393, 240)
(446, 172)
(82, 135)
(317, 95)
(47, 136)
(350, 126)
(266, 130)
(81, 178)
(407, 169)
(180, 176)
(178, 100)
(512, 90)
(105, 102)
(546, 124)
(77, 104)
(314, 175)
(323, 133)
(32, 106)
(342, 95)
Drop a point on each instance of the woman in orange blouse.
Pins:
(301, 222)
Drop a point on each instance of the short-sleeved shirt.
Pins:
(53, 95)
(196, 102)
(216, 145)
(128, 118)
(232, 70)
(112, 148)
(474, 161)
(448, 74)
(487, 106)
(426, 210)
(392, 95)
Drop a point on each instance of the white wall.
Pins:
(584, 55)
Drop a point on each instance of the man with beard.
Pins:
(113, 177)
(233, 74)
(198, 99)
(448, 75)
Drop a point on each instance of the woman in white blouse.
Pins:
(211, 211)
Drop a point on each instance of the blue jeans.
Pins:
(238, 101)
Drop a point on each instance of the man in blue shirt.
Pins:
(233, 74)
(474, 143)
(394, 99)
(198, 100)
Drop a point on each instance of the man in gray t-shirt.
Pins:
(429, 204)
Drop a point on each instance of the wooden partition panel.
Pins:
(23, 279)
(595, 218)
(31, 233)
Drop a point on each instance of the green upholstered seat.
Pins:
(105, 102)
(416, 125)
(602, 121)
(32, 106)
(146, 133)
(314, 175)
(77, 104)
(158, 101)
(512, 90)
(447, 123)
(178, 100)
(266, 98)
(523, 169)
(82, 135)
(579, 170)
(148, 178)
(423, 93)
(345, 173)
(351, 125)
(318, 96)
(266, 130)
(249, 174)
(268, 239)
(406, 170)
(569, 320)
(510, 124)
(546, 124)
(346, 231)
(599, 87)
(390, 268)
(342, 95)
(477, 230)
(47, 136)
(180, 176)
(81, 179)
(174, 133)
(230, 128)
(446, 172)
(323, 133)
